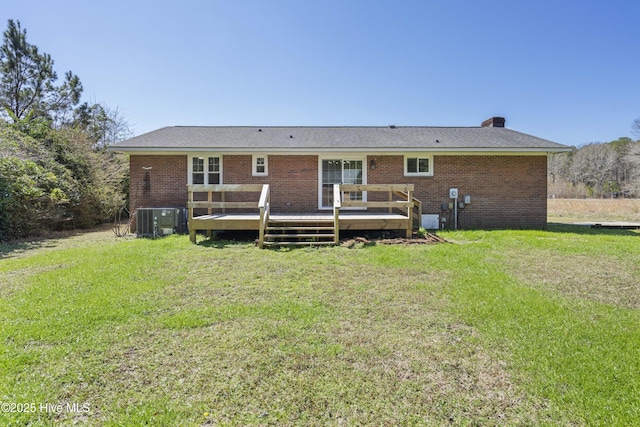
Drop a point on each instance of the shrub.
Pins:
(23, 197)
(56, 182)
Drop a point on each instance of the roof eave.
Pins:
(301, 150)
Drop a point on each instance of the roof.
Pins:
(335, 138)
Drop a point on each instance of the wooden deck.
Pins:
(348, 220)
(302, 228)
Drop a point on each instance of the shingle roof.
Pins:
(349, 138)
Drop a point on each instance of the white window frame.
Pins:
(254, 165)
(418, 157)
(206, 157)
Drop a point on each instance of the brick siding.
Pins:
(506, 191)
(163, 185)
(293, 180)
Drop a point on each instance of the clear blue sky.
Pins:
(564, 70)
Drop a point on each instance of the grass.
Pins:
(499, 328)
(600, 210)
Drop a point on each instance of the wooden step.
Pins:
(299, 221)
(299, 236)
(299, 232)
(269, 243)
(301, 228)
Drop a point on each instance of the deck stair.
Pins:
(299, 232)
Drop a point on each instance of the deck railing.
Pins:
(417, 209)
(262, 205)
(400, 196)
(407, 203)
(337, 205)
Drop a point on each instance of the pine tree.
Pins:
(27, 85)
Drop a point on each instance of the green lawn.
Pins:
(497, 328)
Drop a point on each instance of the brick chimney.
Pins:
(493, 122)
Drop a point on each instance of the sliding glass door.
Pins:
(340, 171)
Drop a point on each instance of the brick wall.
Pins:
(293, 180)
(157, 182)
(506, 191)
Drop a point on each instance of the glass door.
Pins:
(340, 171)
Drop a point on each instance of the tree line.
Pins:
(55, 171)
(598, 170)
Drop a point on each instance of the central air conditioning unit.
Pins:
(158, 222)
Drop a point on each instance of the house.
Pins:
(500, 174)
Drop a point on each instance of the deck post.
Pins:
(418, 219)
(192, 232)
(261, 228)
(410, 214)
(209, 211)
(264, 206)
(337, 204)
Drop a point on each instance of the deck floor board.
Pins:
(348, 220)
(300, 217)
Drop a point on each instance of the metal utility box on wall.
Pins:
(158, 222)
(430, 221)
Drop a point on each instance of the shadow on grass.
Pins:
(588, 230)
(14, 247)
(220, 243)
(226, 239)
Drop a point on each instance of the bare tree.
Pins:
(632, 159)
(595, 165)
(103, 124)
(557, 176)
(610, 169)
(635, 127)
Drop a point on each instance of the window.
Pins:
(418, 165)
(214, 170)
(260, 165)
(211, 175)
(197, 176)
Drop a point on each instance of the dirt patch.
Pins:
(428, 239)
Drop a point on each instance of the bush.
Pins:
(56, 182)
(24, 199)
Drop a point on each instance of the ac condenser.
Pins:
(158, 222)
